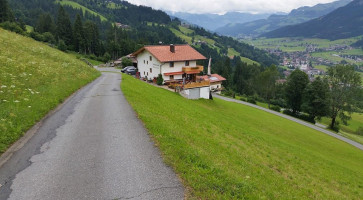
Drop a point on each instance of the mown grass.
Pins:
(34, 78)
(79, 6)
(224, 150)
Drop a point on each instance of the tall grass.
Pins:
(34, 78)
(224, 150)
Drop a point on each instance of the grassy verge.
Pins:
(225, 150)
(34, 78)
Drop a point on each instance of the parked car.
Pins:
(131, 70)
(125, 68)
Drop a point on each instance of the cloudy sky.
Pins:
(222, 6)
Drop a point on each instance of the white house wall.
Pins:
(178, 67)
(144, 64)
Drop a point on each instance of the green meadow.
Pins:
(79, 6)
(224, 150)
(34, 79)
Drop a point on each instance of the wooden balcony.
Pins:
(197, 69)
(190, 84)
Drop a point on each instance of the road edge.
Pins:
(31, 132)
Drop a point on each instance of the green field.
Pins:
(224, 150)
(34, 78)
(297, 44)
(84, 9)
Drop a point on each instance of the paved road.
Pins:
(94, 147)
(356, 144)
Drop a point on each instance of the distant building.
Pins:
(177, 64)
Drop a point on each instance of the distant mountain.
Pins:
(300, 15)
(344, 22)
(213, 21)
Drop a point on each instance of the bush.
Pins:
(36, 36)
(242, 99)
(359, 131)
(62, 46)
(48, 37)
(251, 100)
(126, 62)
(300, 116)
(13, 27)
(278, 102)
(160, 79)
(275, 108)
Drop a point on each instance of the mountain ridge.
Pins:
(342, 23)
(296, 16)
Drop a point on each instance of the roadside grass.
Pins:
(224, 150)
(79, 6)
(353, 124)
(34, 79)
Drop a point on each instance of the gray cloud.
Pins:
(222, 6)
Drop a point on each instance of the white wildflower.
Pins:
(29, 106)
(16, 101)
(247, 177)
(3, 86)
(26, 99)
(12, 86)
(4, 100)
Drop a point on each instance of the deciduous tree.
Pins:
(316, 98)
(345, 91)
(295, 85)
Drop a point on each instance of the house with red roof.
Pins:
(176, 63)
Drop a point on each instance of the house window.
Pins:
(171, 64)
(151, 70)
(147, 62)
(171, 77)
(151, 58)
(144, 72)
(144, 61)
(187, 63)
(147, 73)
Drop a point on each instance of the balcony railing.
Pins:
(190, 84)
(189, 69)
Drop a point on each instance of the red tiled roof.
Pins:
(163, 53)
(213, 78)
(173, 73)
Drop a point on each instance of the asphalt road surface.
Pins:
(351, 142)
(94, 147)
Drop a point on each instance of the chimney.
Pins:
(172, 48)
(209, 65)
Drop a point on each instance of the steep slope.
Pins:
(214, 21)
(344, 22)
(225, 150)
(34, 78)
(274, 22)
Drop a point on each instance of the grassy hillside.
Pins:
(224, 150)
(34, 78)
(84, 9)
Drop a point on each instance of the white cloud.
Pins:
(222, 6)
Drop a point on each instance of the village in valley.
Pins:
(313, 56)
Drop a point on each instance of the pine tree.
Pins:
(64, 27)
(5, 12)
(78, 35)
(45, 24)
